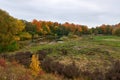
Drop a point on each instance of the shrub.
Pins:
(96, 75)
(46, 64)
(64, 38)
(49, 65)
(69, 71)
(35, 65)
(2, 62)
(13, 46)
(114, 72)
(23, 58)
(25, 36)
(1, 49)
(42, 54)
(17, 38)
(4, 55)
(72, 36)
(116, 31)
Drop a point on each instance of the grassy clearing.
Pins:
(87, 53)
(111, 41)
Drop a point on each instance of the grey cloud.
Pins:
(88, 12)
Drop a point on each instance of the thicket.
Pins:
(70, 71)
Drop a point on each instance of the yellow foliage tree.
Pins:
(9, 28)
(35, 65)
(25, 36)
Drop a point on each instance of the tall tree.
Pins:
(31, 28)
(9, 28)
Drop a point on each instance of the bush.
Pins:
(114, 72)
(64, 51)
(96, 75)
(11, 47)
(64, 38)
(2, 62)
(42, 54)
(17, 38)
(25, 36)
(35, 65)
(69, 71)
(46, 64)
(72, 36)
(1, 49)
(4, 56)
(23, 58)
(116, 31)
(50, 66)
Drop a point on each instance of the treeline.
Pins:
(46, 28)
(107, 30)
(13, 30)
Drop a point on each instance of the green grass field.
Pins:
(87, 53)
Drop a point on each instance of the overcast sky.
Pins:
(85, 12)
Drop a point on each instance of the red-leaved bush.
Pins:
(2, 62)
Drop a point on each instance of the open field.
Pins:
(87, 53)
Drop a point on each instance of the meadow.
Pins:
(79, 58)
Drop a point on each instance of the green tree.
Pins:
(31, 28)
(9, 28)
(116, 31)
